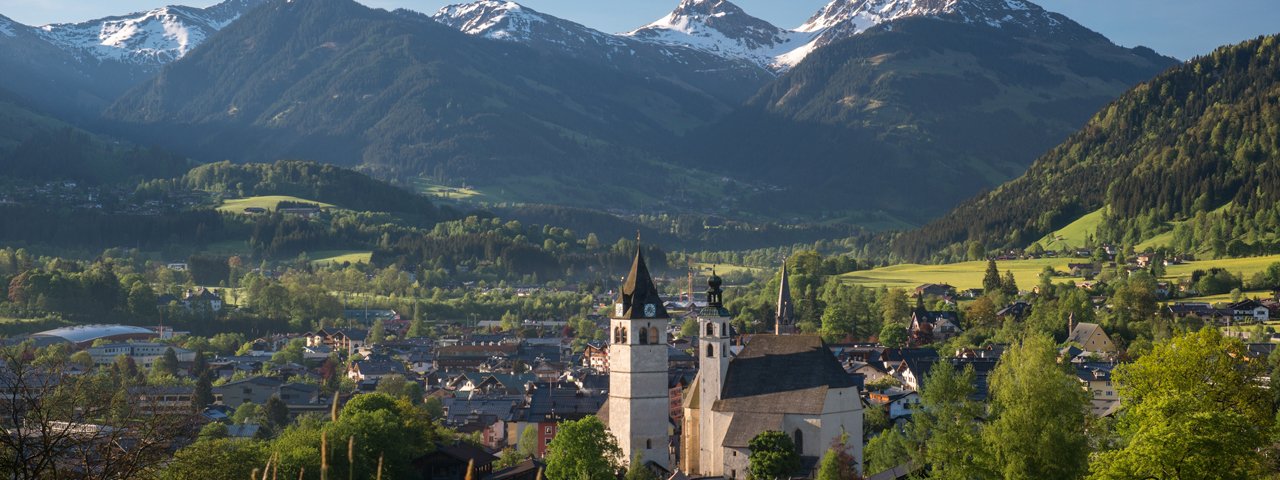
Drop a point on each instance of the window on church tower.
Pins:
(711, 351)
(799, 441)
(653, 334)
(648, 444)
(644, 336)
(711, 329)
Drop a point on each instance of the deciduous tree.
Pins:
(773, 456)
(583, 450)
(1194, 410)
(1037, 416)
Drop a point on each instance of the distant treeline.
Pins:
(69, 154)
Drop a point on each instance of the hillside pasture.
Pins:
(330, 257)
(962, 275)
(268, 202)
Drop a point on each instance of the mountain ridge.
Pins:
(148, 39)
(946, 107)
(729, 79)
(92, 63)
(1191, 151)
(406, 97)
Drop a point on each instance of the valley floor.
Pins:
(967, 275)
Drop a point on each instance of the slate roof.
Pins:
(528, 469)
(1017, 309)
(460, 408)
(1191, 308)
(379, 367)
(255, 380)
(1260, 350)
(1081, 333)
(744, 427)
(551, 402)
(800, 369)
(638, 290)
(1248, 304)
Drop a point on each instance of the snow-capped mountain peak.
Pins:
(495, 19)
(7, 27)
(868, 13)
(722, 28)
(151, 38)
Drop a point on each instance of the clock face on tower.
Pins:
(650, 310)
(617, 310)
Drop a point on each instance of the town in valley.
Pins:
(907, 239)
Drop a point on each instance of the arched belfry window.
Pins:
(617, 334)
(623, 337)
(653, 335)
(799, 441)
(711, 351)
(711, 329)
(644, 336)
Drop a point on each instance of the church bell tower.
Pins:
(639, 404)
(714, 336)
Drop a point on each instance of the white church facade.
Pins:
(782, 382)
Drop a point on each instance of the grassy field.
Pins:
(1155, 242)
(425, 186)
(724, 269)
(340, 256)
(1027, 272)
(1226, 297)
(960, 275)
(1073, 235)
(269, 202)
(1243, 266)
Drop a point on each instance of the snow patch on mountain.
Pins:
(719, 27)
(6, 27)
(151, 38)
(722, 28)
(491, 19)
(510, 21)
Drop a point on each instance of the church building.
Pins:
(783, 382)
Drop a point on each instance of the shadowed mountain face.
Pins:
(883, 113)
(404, 95)
(77, 69)
(918, 114)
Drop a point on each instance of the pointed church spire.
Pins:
(639, 297)
(785, 319)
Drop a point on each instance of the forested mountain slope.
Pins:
(1197, 138)
(335, 81)
(917, 114)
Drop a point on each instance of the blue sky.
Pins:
(1181, 28)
